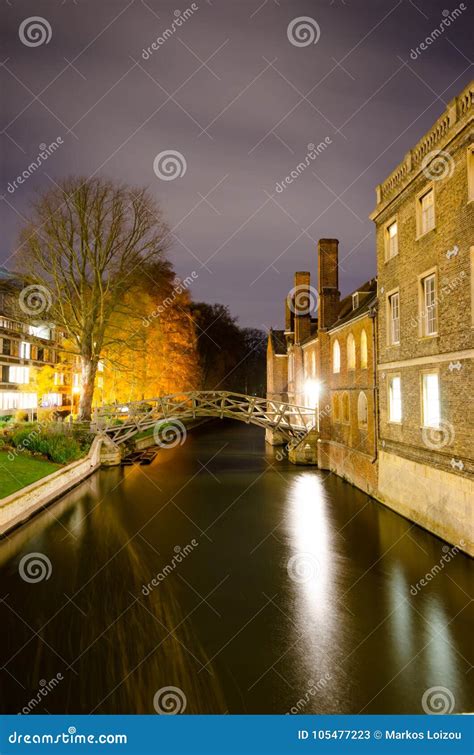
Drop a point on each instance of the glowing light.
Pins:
(312, 389)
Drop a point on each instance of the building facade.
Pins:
(390, 367)
(328, 363)
(27, 346)
(425, 262)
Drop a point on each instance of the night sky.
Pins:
(231, 93)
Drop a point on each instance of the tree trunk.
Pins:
(89, 369)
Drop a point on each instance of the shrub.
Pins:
(51, 441)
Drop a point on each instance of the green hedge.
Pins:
(56, 444)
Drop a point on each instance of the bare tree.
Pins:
(85, 242)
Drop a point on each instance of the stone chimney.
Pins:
(303, 304)
(328, 282)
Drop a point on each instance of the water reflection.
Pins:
(297, 577)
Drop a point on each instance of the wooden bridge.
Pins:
(122, 421)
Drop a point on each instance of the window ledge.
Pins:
(426, 233)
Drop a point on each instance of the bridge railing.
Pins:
(122, 419)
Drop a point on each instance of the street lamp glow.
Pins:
(312, 389)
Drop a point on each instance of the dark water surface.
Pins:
(293, 590)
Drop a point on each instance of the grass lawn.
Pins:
(20, 471)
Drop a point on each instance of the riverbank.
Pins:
(22, 470)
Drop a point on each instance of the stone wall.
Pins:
(436, 500)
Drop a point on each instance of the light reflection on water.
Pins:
(231, 625)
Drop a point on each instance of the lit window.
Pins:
(25, 350)
(17, 400)
(20, 375)
(363, 350)
(362, 408)
(394, 318)
(336, 357)
(40, 331)
(427, 216)
(100, 381)
(59, 378)
(391, 240)
(336, 407)
(100, 366)
(470, 172)
(429, 305)
(394, 399)
(430, 391)
(345, 407)
(351, 352)
(51, 399)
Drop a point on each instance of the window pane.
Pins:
(395, 400)
(431, 414)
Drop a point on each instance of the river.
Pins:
(247, 584)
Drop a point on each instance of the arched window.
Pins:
(345, 407)
(336, 356)
(336, 411)
(351, 352)
(362, 408)
(363, 350)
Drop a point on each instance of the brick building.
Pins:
(389, 368)
(328, 363)
(425, 261)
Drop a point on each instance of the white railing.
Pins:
(123, 421)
